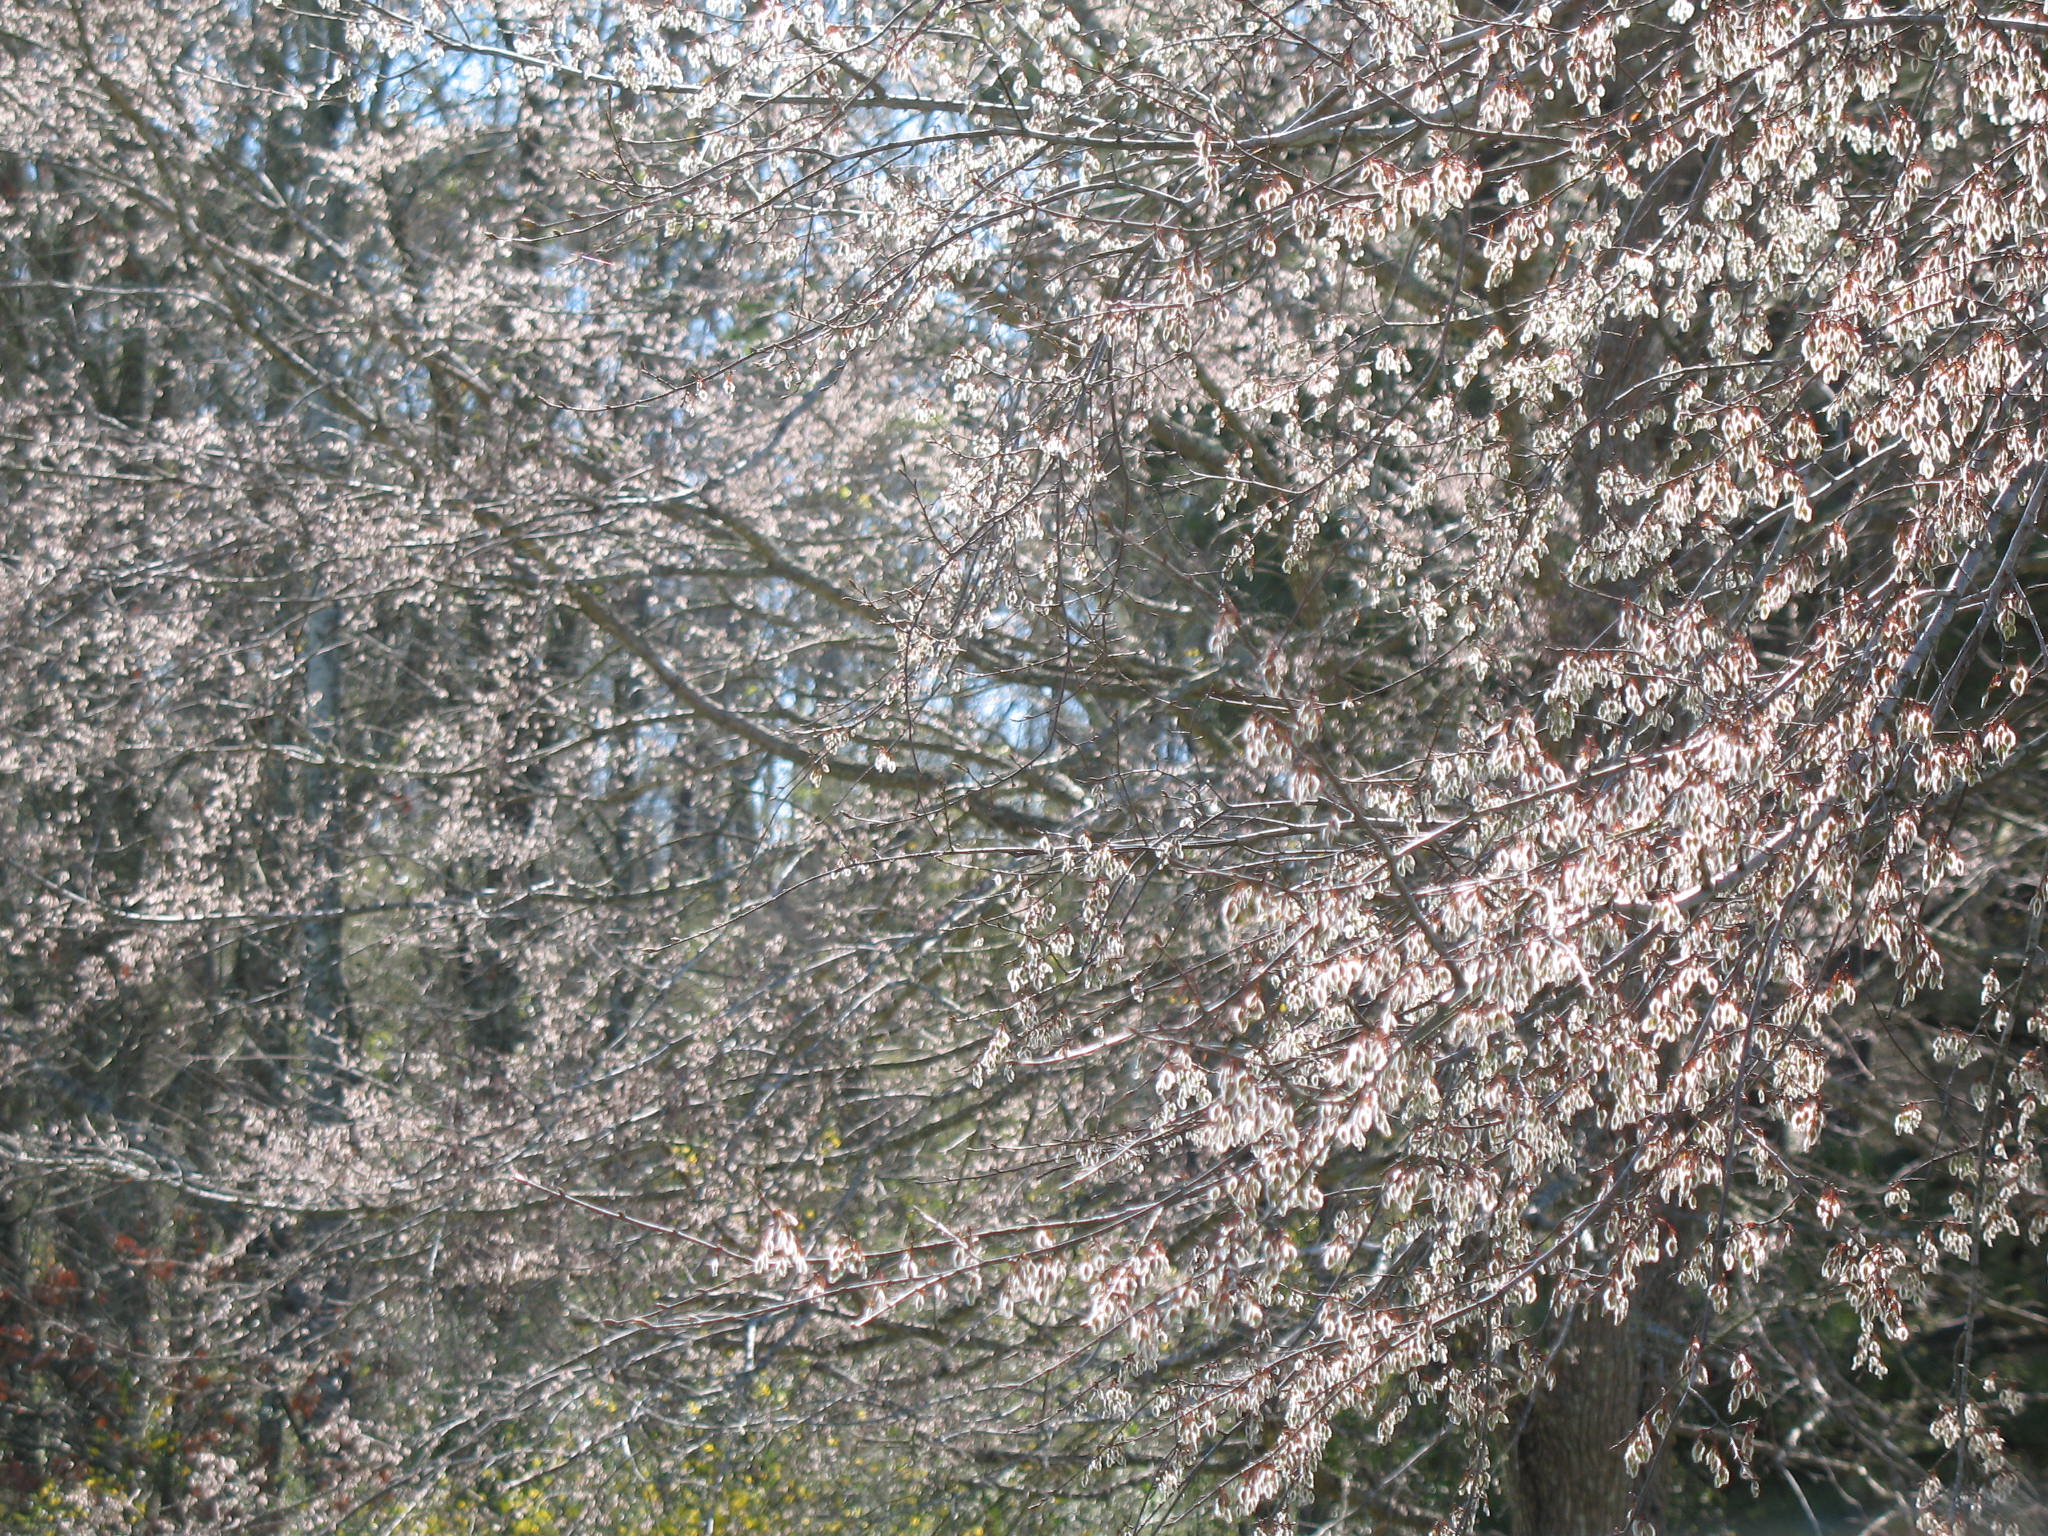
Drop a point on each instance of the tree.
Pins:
(275, 724)
(1265, 765)
(1490, 550)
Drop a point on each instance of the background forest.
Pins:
(781, 766)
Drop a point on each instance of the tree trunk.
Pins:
(1569, 1475)
(326, 994)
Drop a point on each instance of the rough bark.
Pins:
(1569, 1474)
